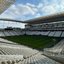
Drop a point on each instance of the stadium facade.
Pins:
(52, 25)
(13, 53)
(50, 21)
(4, 4)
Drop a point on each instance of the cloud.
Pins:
(44, 7)
(38, 15)
(29, 10)
(23, 9)
(20, 10)
(17, 11)
(49, 10)
(40, 5)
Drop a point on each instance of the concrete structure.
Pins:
(52, 25)
(48, 26)
(4, 4)
(56, 52)
(13, 53)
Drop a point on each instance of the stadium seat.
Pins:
(2, 33)
(57, 33)
(51, 33)
(38, 59)
(62, 34)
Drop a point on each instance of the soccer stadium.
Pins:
(40, 42)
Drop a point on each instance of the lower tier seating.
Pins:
(19, 54)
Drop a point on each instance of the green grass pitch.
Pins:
(37, 42)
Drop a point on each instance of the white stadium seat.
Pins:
(22, 55)
(57, 33)
(62, 34)
(2, 33)
(42, 32)
(51, 33)
(46, 33)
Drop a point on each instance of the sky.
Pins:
(29, 9)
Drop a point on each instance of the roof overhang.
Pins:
(46, 19)
(11, 20)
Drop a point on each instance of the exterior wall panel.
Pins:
(4, 4)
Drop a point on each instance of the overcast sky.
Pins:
(28, 9)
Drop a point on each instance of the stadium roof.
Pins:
(46, 19)
(4, 4)
(43, 19)
(12, 20)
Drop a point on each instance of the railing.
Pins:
(47, 29)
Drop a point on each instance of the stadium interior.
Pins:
(40, 42)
